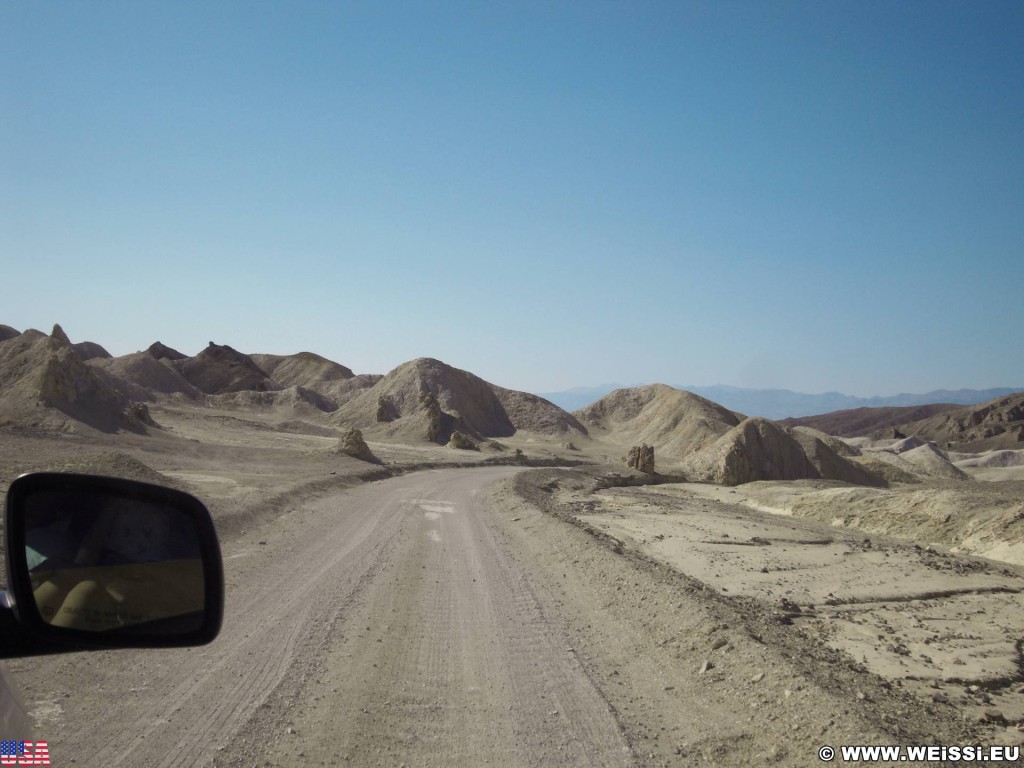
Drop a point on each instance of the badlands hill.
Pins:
(756, 449)
(45, 383)
(221, 377)
(709, 443)
(219, 370)
(50, 383)
(858, 422)
(760, 449)
(309, 371)
(532, 413)
(148, 375)
(428, 399)
(675, 422)
(995, 425)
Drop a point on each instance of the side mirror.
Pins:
(100, 562)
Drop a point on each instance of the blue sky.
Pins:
(816, 196)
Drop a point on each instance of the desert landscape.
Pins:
(424, 568)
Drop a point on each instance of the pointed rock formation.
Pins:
(351, 443)
(58, 335)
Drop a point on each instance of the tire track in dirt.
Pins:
(448, 659)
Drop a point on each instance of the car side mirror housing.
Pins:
(100, 562)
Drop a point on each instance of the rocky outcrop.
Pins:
(433, 414)
(59, 337)
(460, 441)
(163, 352)
(757, 449)
(386, 411)
(641, 458)
(88, 350)
(351, 443)
(995, 425)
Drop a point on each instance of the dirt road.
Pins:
(381, 626)
(458, 618)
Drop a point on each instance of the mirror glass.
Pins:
(102, 562)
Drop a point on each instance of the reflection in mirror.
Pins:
(100, 562)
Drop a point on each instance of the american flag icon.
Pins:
(20, 753)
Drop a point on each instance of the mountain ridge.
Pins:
(785, 403)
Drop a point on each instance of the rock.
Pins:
(351, 443)
(757, 678)
(163, 352)
(59, 336)
(706, 666)
(460, 441)
(138, 413)
(641, 458)
(788, 606)
(432, 409)
(385, 411)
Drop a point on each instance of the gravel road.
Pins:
(456, 618)
(379, 626)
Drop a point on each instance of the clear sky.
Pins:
(815, 195)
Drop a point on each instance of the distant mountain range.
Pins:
(783, 403)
